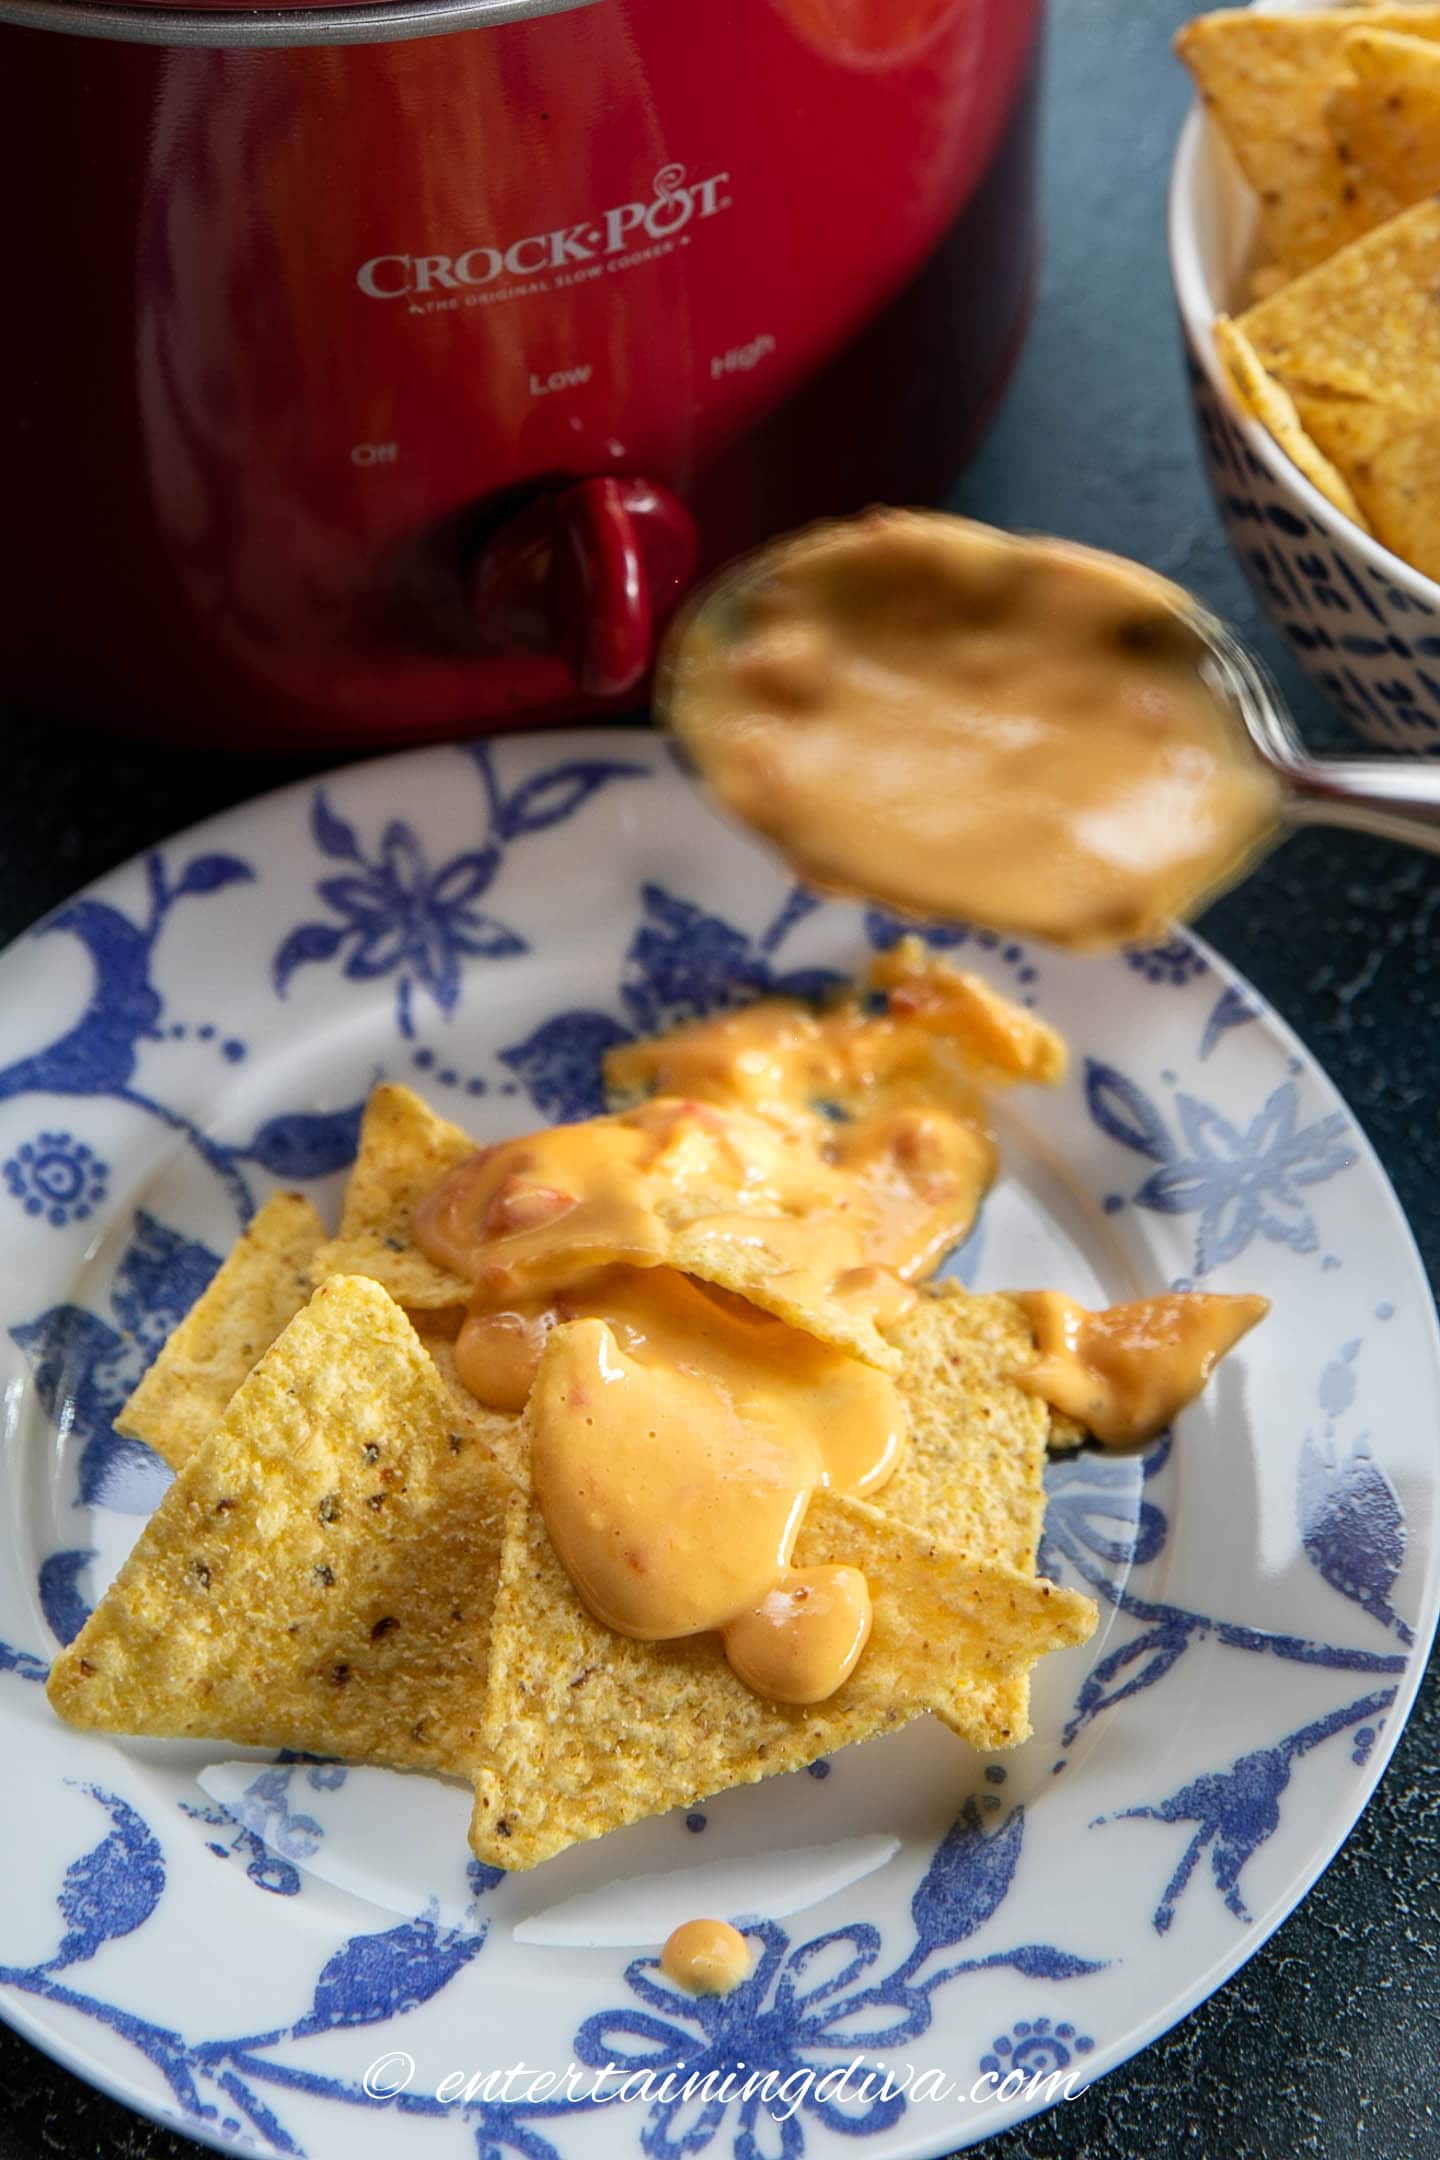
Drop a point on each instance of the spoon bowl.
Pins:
(956, 722)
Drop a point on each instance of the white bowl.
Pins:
(1363, 624)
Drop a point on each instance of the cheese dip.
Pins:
(958, 722)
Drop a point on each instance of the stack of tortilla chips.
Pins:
(348, 1561)
(1333, 116)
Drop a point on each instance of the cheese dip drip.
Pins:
(674, 1473)
(962, 723)
(1124, 1373)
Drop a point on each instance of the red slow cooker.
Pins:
(386, 372)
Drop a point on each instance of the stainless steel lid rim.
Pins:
(382, 22)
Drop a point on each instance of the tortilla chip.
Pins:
(1366, 324)
(999, 1042)
(1269, 402)
(1392, 457)
(1356, 344)
(1386, 124)
(744, 1261)
(586, 1731)
(262, 1284)
(1267, 278)
(1267, 80)
(972, 1477)
(258, 1290)
(405, 1150)
(321, 1574)
(994, 1041)
(1066, 1433)
(500, 1432)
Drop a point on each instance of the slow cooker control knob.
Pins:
(591, 572)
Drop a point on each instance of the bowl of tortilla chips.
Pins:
(1305, 250)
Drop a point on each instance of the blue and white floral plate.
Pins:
(288, 1956)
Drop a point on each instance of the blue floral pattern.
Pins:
(57, 1178)
(1352, 1525)
(264, 1830)
(99, 1055)
(1177, 961)
(114, 1889)
(1232, 1009)
(807, 2011)
(1242, 1182)
(803, 2012)
(682, 964)
(60, 1587)
(1234, 1811)
(85, 1365)
(1035, 2044)
(1101, 1529)
(400, 914)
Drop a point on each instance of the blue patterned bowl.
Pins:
(1363, 624)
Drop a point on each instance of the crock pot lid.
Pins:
(290, 22)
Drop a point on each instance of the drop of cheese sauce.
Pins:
(1126, 1372)
(497, 1355)
(706, 1957)
(805, 1637)
(958, 722)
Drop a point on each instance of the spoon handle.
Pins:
(1393, 798)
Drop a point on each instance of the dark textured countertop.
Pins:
(1325, 2043)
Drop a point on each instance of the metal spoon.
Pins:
(1393, 798)
(1397, 799)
